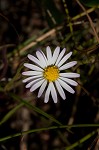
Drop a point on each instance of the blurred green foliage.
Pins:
(90, 3)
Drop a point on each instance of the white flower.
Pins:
(47, 73)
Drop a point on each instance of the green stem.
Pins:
(53, 128)
(68, 16)
(85, 138)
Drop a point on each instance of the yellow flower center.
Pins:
(51, 73)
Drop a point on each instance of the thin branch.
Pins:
(52, 32)
(90, 20)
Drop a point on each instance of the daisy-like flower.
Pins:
(47, 73)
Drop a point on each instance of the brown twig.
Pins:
(88, 93)
(90, 20)
(39, 39)
(7, 46)
(52, 32)
(5, 63)
(10, 24)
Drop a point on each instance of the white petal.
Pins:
(68, 65)
(69, 81)
(42, 88)
(66, 86)
(53, 93)
(46, 99)
(55, 55)
(33, 67)
(35, 60)
(31, 73)
(60, 90)
(44, 57)
(36, 85)
(63, 60)
(60, 56)
(49, 55)
(33, 82)
(41, 58)
(30, 78)
(70, 75)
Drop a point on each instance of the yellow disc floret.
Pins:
(51, 73)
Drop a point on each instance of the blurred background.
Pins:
(28, 25)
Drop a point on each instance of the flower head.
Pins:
(47, 73)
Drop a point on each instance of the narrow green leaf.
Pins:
(53, 14)
(10, 113)
(38, 110)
